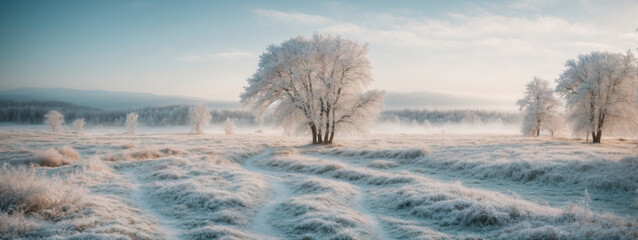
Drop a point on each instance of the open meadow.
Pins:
(264, 186)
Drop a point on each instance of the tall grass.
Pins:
(24, 190)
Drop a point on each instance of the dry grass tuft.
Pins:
(22, 190)
(52, 157)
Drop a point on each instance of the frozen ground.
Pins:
(172, 185)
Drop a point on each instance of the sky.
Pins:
(208, 49)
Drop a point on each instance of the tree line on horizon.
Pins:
(33, 112)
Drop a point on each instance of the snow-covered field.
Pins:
(172, 185)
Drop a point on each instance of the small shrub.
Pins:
(131, 123)
(52, 157)
(22, 190)
(229, 126)
(55, 120)
(78, 125)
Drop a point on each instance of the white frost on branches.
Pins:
(78, 125)
(229, 127)
(315, 86)
(131, 123)
(55, 120)
(199, 117)
(600, 93)
(539, 108)
(556, 126)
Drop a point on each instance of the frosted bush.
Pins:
(23, 190)
(52, 157)
(144, 153)
(69, 152)
(131, 123)
(55, 120)
(78, 125)
(229, 127)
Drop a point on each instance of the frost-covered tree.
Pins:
(555, 125)
(78, 125)
(131, 123)
(229, 126)
(54, 119)
(600, 93)
(199, 117)
(315, 86)
(538, 105)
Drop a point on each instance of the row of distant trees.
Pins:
(600, 93)
(32, 112)
(178, 115)
(199, 117)
(452, 116)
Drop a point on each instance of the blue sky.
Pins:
(208, 48)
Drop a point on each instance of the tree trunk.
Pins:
(597, 136)
(325, 138)
(313, 129)
(538, 126)
(332, 136)
(601, 120)
(332, 127)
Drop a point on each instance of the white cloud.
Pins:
(292, 18)
(487, 31)
(491, 52)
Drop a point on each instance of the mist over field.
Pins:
(326, 120)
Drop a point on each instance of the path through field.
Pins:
(168, 186)
(168, 226)
(280, 192)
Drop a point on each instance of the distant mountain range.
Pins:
(125, 100)
(106, 99)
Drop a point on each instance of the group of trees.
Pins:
(32, 112)
(199, 116)
(438, 117)
(316, 86)
(600, 90)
